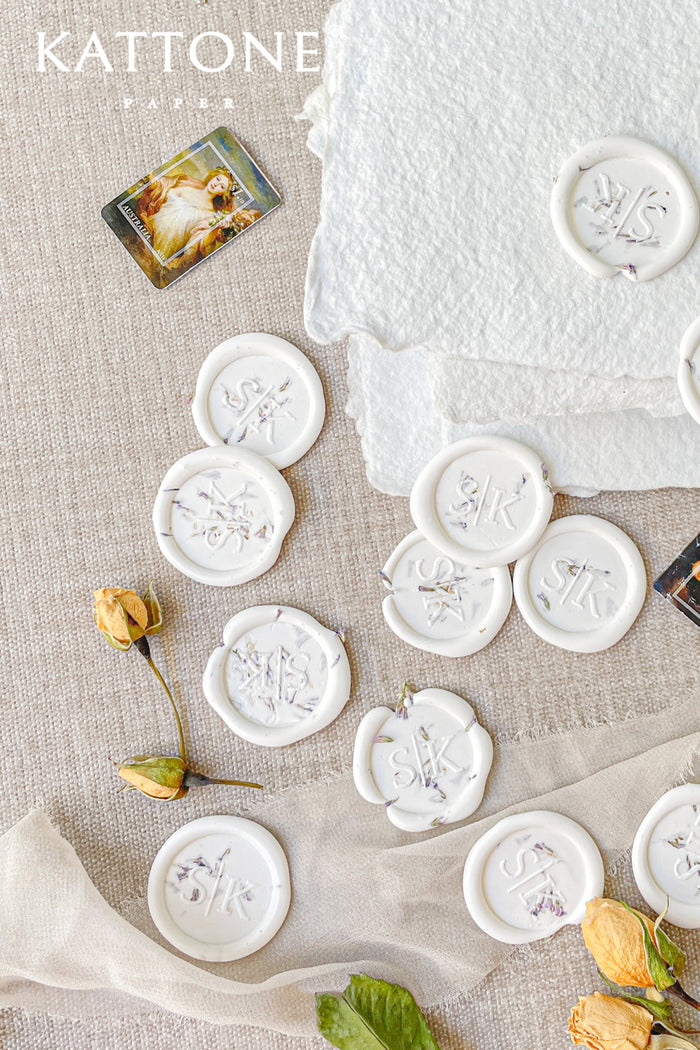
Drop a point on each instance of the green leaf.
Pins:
(658, 970)
(670, 952)
(373, 1015)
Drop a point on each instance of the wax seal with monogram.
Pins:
(583, 585)
(426, 762)
(483, 501)
(219, 888)
(260, 392)
(666, 856)
(531, 874)
(621, 205)
(439, 604)
(278, 676)
(688, 375)
(221, 515)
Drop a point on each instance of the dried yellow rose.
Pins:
(120, 615)
(166, 777)
(123, 617)
(615, 939)
(602, 1022)
(158, 776)
(125, 620)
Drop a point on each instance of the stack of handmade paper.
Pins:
(441, 128)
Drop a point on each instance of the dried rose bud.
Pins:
(158, 776)
(123, 617)
(120, 615)
(614, 936)
(602, 1022)
(166, 777)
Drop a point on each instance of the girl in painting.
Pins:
(188, 218)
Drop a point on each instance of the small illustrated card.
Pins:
(190, 207)
(680, 582)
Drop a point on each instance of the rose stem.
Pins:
(145, 650)
(241, 783)
(202, 778)
(680, 992)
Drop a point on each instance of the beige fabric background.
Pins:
(97, 368)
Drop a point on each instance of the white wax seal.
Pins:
(620, 205)
(688, 376)
(426, 762)
(483, 501)
(260, 392)
(583, 585)
(278, 676)
(666, 856)
(531, 874)
(442, 605)
(219, 888)
(221, 515)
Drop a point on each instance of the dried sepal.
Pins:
(668, 949)
(157, 776)
(114, 642)
(656, 964)
(154, 610)
(661, 1008)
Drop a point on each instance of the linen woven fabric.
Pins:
(391, 903)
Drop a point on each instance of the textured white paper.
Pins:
(595, 430)
(401, 430)
(468, 391)
(445, 127)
